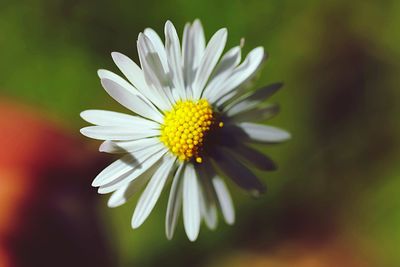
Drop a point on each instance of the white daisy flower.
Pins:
(190, 126)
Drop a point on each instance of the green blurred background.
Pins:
(335, 200)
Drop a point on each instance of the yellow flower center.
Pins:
(185, 127)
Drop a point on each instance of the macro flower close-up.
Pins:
(199, 133)
(194, 121)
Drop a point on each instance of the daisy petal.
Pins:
(263, 133)
(158, 45)
(264, 92)
(239, 173)
(111, 118)
(150, 195)
(145, 163)
(115, 169)
(174, 203)
(131, 101)
(193, 45)
(228, 62)
(249, 100)
(118, 132)
(224, 199)
(187, 58)
(208, 210)
(225, 67)
(173, 50)
(241, 107)
(254, 157)
(208, 201)
(255, 114)
(106, 74)
(155, 73)
(128, 146)
(131, 71)
(210, 58)
(122, 195)
(129, 162)
(199, 42)
(242, 73)
(135, 75)
(191, 205)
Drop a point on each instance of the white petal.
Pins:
(145, 164)
(228, 97)
(111, 118)
(225, 67)
(129, 162)
(191, 205)
(208, 201)
(118, 132)
(253, 157)
(154, 72)
(199, 42)
(128, 146)
(131, 101)
(135, 75)
(228, 61)
(122, 195)
(242, 73)
(150, 195)
(263, 133)
(174, 203)
(187, 58)
(255, 114)
(210, 58)
(208, 210)
(158, 46)
(224, 199)
(106, 74)
(242, 106)
(193, 45)
(131, 71)
(251, 99)
(237, 171)
(115, 169)
(173, 50)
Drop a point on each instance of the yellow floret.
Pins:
(185, 127)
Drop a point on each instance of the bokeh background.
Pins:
(335, 200)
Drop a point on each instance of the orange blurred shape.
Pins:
(298, 253)
(12, 191)
(46, 205)
(4, 259)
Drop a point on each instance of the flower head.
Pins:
(190, 126)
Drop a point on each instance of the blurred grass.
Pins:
(339, 61)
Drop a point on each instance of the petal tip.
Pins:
(169, 23)
(230, 221)
(102, 147)
(105, 82)
(135, 224)
(224, 31)
(83, 131)
(192, 236)
(95, 183)
(100, 73)
(169, 235)
(115, 54)
(197, 20)
(82, 114)
(111, 204)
